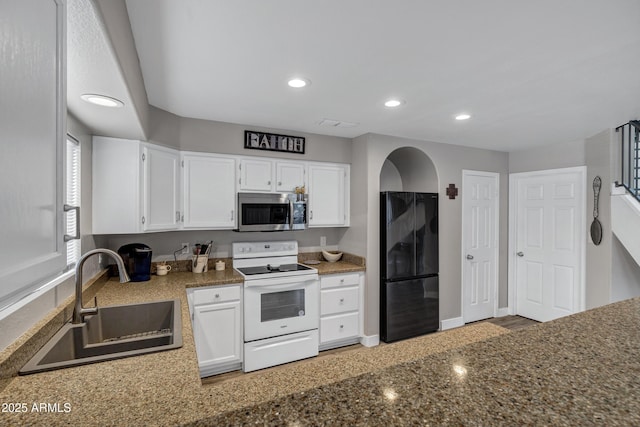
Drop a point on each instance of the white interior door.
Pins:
(480, 207)
(547, 252)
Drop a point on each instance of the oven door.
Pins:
(279, 306)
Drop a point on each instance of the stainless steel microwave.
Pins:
(272, 211)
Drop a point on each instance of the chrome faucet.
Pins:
(78, 311)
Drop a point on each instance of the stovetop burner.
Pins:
(268, 269)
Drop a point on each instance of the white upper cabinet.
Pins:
(290, 175)
(328, 195)
(256, 175)
(209, 191)
(161, 206)
(140, 187)
(135, 187)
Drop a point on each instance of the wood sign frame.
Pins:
(273, 142)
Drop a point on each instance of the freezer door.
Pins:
(397, 238)
(409, 308)
(426, 217)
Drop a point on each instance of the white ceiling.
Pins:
(92, 67)
(530, 73)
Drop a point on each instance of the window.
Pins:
(72, 198)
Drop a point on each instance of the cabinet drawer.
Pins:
(334, 280)
(339, 300)
(338, 327)
(216, 294)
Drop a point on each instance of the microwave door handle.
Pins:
(290, 214)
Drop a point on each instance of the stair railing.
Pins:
(630, 157)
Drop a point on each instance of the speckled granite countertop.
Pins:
(131, 390)
(575, 371)
(347, 264)
(579, 370)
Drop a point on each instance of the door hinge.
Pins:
(182, 162)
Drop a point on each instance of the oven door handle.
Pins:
(280, 281)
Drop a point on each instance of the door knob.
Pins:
(520, 254)
(469, 256)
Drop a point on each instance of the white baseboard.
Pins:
(504, 311)
(456, 322)
(370, 340)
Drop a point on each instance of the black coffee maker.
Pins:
(137, 259)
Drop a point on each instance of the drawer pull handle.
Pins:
(341, 280)
(341, 300)
(341, 326)
(217, 295)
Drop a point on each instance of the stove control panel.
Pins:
(263, 249)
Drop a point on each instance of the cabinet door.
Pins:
(161, 188)
(327, 195)
(256, 175)
(209, 192)
(217, 331)
(289, 175)
(117, 186)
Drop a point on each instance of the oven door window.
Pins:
(282, 305)
(265, 214)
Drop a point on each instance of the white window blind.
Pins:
(72, 198)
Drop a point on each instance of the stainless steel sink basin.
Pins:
(115, 332)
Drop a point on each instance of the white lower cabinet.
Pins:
(341, 301)
(216, 316)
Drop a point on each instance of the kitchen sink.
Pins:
(114, 332)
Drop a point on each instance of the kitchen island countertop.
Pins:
(577, 370)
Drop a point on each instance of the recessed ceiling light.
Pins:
(463, 117)
(102, 100)
(393, 103)
(298, 82)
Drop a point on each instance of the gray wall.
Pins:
(227, 138)
(549, 157)
(417, 172)
(369, 154)
(626, 273)
(599, 267)
(163, 244)
(17, 323)
(115, 19)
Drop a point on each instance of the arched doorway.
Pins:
(409, 261)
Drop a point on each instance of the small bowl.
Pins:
(332, 257)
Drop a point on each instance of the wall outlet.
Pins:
(323, 240)
(185, 248)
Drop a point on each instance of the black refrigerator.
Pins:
(408, 264)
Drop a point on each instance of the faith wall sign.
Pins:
(273, 142)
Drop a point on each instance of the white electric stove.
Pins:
(281, 303)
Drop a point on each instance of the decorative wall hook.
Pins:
(452, 191)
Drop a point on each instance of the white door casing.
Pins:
(547, 239)
(480, 215)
